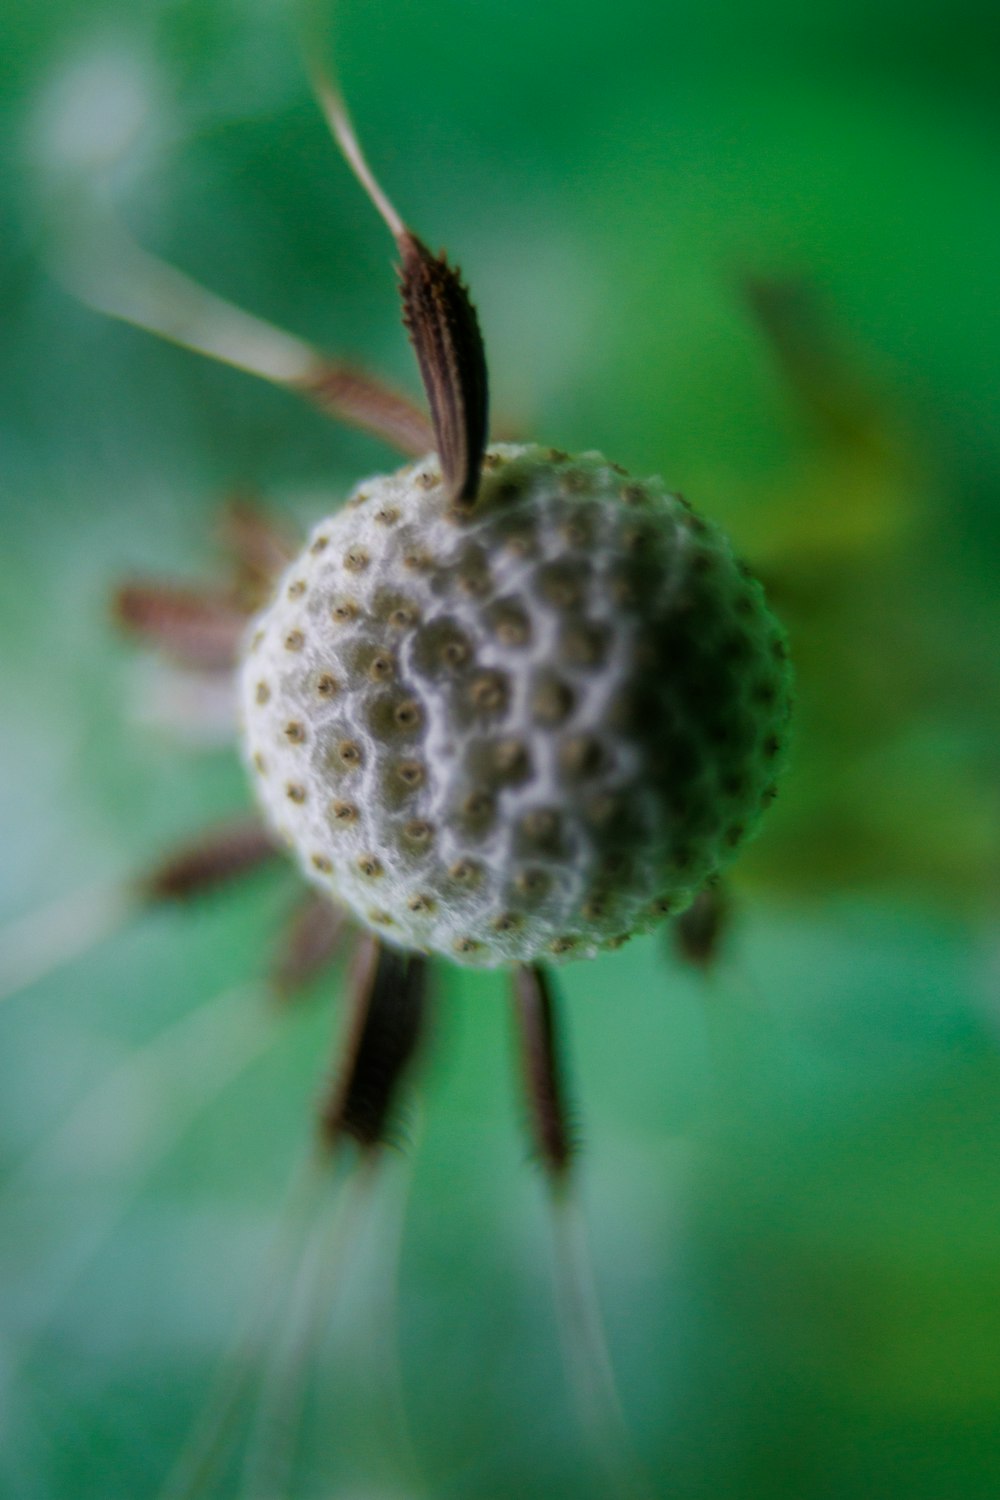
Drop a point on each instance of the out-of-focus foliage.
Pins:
(751, 247)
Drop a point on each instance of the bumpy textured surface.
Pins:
(527, 729)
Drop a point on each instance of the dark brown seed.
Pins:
(216, 858)
(443, 327)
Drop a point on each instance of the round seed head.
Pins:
(534, 764)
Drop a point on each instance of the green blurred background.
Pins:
(750, 247)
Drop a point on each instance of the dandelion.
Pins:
(505, 708)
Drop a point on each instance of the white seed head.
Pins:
(529, 728)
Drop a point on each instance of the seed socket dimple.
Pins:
(455, 652)
(552, 701)
(562, 583)
(581, 755)
(295, 791)
(418, 831)
(380, 667)
(510, 757)
(350, 754)
(488, 692)
(410, 772)
(403, 616)
(344, 611)
(262, 693)
(297, 589)
(356, 560)
(478, 808)
(465, 871)
(585, 645)
(322, 864)
(541, 827)
(507, 921)
(369, 865)
(407, 714)
(326, 685)
(601, 809)
(511, 624)
(344, 812)
(531, 881)
(294, 640)
(295, 732)
(421, 902)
